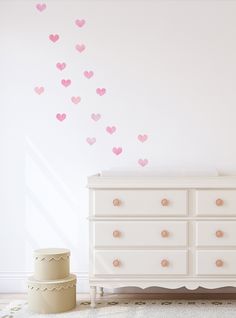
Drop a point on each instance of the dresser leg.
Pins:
(93, 296)
(100, 291)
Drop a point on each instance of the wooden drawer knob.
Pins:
(116, 263)
(164, 233)
(219, 263)
(164, 202)
(116, 202)
(219, 202)
(116, 233)
(164, 263)
(219, 233)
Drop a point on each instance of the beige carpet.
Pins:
(135, 309)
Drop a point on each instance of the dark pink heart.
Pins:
(80, 47)
(54, 37)
(142, 138)
(39, 90)
(80, 23)
(66, 83)
(61, 117)
(117, 150)
(142, 162)
(111, 130)
(76, 99)
(95, 117)
(91, 140)
(88, 74)
(41, 6)
(61, 66)
(101, 91)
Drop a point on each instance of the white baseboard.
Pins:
(16, 282)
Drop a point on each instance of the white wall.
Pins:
(169, 69)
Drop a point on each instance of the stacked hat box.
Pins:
(52, 289)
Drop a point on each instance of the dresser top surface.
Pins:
(149, 181)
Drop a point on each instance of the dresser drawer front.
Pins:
(140, 202)
(216, 202)
(140, 233)
(140, 262)
(216, 233)
(207, 261)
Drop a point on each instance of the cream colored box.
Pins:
(51, 263)
(52, 296)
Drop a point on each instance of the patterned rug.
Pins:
(134, 309)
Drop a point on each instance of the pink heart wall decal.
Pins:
(111, 130)
(142, 138)
(80, 47)
(117, 150)
(61, 66)
(75, 99)
(39, 90)
(88, 74)
(101, 91)
(142, 162)
(41, 6)
(61, 117)
(54, 37)
(95, 117)
(80, 23)
(66, 83)
(91, 140)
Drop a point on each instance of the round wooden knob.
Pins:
(219, 263)
(164, 263)
(116, 202)
(116, 233)
(219, 202)
(164, 233)
(219, 233)
(164, 202)
(116, 263)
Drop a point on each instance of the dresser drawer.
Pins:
(216, 202)
(216, 233)
(218, 262)
(139, 202)
(136, 233)
(140, 262)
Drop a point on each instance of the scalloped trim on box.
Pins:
(53, 288)
(50, 258)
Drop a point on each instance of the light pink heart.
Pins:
(41, 6)
(111, 130)
(142, 162)
(91, 141)
(80, 47)
(95, 117)
(88, 74)
(39, 90)
(61, 117)
(80, 23)
(101, 91)
(66, 83)
(75, 99)
(61, 66)
(54, 37)
(142, 138)
(117, 150)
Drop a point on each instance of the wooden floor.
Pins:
(5, 299)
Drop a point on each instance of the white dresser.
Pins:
(162, 231)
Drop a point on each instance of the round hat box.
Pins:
(53, 296)
(51, 263)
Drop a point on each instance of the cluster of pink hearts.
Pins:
(80, 47)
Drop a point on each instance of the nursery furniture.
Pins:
(52, 289)
(162, 231)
